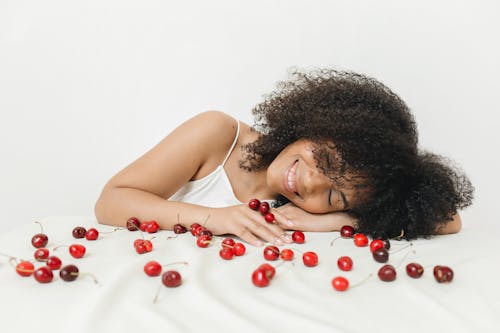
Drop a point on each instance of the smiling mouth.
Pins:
(291, 178)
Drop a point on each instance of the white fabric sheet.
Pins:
(218, 296)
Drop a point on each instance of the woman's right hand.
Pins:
(245, 223)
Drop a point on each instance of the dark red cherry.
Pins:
(443, 274)
(133, 224)
(79, 232)
(254, 204)
(39, 240)
(54, 263)
(69, 273)
(387, 244)
(414, 270)
(271, 252)
(346, 231)
(344, 263)
(269, 217)
(381, 255)
(43, 274)
(387, 273)
(41, 254)
(171, 279)
(92, 234)
(264, 208)
(205, 232)
(180, 229)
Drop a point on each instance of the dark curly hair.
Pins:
(360, 127)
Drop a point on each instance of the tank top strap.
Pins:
(234, 142)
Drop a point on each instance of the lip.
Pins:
(285, 178)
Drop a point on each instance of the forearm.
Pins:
(116, 205)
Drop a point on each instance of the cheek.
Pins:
(312, 206)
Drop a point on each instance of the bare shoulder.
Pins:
(190, 151)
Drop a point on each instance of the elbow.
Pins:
(452, 227)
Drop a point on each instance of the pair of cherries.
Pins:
(134, 224)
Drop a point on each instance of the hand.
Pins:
(292, 217)
(247, 224)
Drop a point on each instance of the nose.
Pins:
(314, 181)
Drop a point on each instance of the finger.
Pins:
(283, 223)
(245, 234)
(329, 222)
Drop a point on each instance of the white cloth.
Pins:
(213, 190)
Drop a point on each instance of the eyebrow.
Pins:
(344, 200)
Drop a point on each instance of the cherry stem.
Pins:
(10, 261)
(57, 247)
(41, 226)
(361, 282)
(108, 232)
(176, 263)
(6, 255)
(333, 241)
(405, 256)
(87, 274)
(206, 219)
(156, 295)
(398, 250)
(170, 237)
(137, 228)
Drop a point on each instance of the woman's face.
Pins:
(294, 174)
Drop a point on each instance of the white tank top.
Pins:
(213, 190)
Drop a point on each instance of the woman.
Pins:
(332, 148)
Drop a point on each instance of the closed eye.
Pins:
(330, 198)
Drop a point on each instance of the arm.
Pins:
(195, 147)
(451, 227)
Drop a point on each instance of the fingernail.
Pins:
(289, 223)
(278, 241)
(259, 243)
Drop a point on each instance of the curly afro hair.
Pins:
(360, 127)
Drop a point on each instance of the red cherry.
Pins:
(414, 270)
(376, 244)
(443, 274)
(143, 246)
(79, 232)
(152, 268)
(264, 208)
(25, 268)
(92, 234)
(54, 263)
(171, 279)
(77, 250)
(205, 232)
(196, 231)
(39, 240)
(346, 231)
(360, 240)
(193, 228)
(43, 274)
(226, 253)
(344, 263)
(271, 252)
(41, 254)
(143, 226)
(381, 255)
(298, 237)
(203, 241)
(254, 204)
(69, 273)
(179, 229)
(310, 259)
(269, 269)
(259, 278)
(340, 283)
(228, 242)
(239, 249)
(152, 227)
(269, 217)
(133, 224)
(286, 254)
(387, 273)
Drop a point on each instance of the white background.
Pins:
(88, 86)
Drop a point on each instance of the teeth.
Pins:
(291, 178)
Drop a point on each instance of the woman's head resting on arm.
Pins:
(341, 141)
